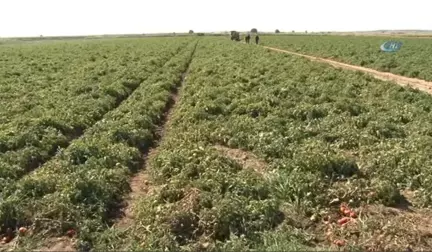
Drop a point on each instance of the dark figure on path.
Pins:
(257, 39)
(247, 38)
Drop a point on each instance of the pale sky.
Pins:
(87, 17)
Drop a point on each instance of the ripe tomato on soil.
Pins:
(6, 239)
(22, 230)
(353, 214)
(71, 233)
(344, 220)
(339, 243)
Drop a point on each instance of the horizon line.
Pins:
(213, 32)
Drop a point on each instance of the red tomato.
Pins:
(339, 243)
(347, 212)
(71, 232)
(6, 239)
(343, 220)
(22, 230)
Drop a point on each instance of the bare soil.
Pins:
(422, 85)
(378, 228)
(60, 245)
(244, 158)
(381, 228)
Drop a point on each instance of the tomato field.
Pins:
(223, 145)
(410, 61)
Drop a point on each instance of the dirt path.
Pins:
(141, 184)
(422, 85)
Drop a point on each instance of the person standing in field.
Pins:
(247, 38)
(256, 39)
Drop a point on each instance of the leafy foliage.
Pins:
(81, 185)
(410, 61)
(52, 92)
(322, 134)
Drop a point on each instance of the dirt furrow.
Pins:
(422, 85)
(140, 183)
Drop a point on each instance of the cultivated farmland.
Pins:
(52, 93)
(411, 61)
(213, 145)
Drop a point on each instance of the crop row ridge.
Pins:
(140, 183)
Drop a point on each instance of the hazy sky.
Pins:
(76, 17)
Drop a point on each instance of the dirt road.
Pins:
(422, 85)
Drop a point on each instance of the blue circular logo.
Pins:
(391, 46)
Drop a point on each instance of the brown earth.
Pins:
(380, 228)
(60, 245)
(244, 158)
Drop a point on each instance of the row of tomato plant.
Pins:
(324, 135)
(55, 91)
(79, 188)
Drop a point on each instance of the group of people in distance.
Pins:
(248, 37)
